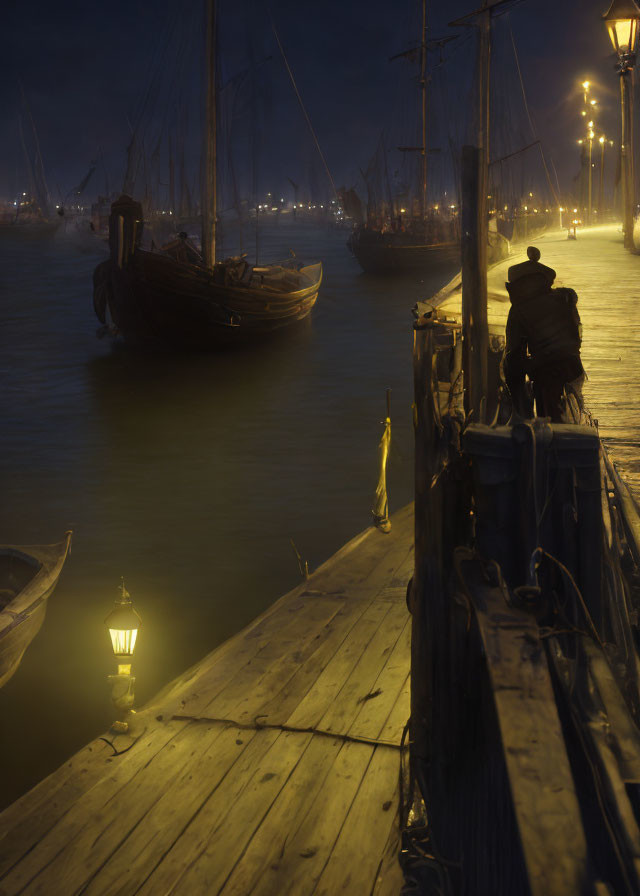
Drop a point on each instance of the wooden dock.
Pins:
(271, 767)
(606, 278)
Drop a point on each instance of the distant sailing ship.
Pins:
(396, 240)
(183, 297)
(30, 212)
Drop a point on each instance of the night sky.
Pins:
(85, 65)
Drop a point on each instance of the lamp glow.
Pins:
(621, 20)
(123, 623)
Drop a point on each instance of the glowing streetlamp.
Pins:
(123, 623)
(621, 20)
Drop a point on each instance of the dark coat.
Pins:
(543, 321)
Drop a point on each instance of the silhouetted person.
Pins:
(543, 338)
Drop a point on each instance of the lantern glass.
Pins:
(123, 623)
(123, 641)
(622, 34)
(622, 24)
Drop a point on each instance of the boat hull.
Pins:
(155, 300)
(34, 572)
(397, 254)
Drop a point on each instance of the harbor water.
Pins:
(189, 475)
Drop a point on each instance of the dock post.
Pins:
(475, 339)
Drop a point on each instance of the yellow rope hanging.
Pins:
(380, 509)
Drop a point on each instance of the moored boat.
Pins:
(28, 576)
(181, 295)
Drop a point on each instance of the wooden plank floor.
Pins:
(270, 767)
(607, 280)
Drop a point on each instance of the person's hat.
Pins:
(532, 266)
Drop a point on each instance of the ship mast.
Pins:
(423, 87)
(209, 174)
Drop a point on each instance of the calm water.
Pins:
(186, 474)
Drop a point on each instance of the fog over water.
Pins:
(186, 474)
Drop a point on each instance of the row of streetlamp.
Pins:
(589, 109)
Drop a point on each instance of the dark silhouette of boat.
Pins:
(28, 576)
(411, 251)
(181, 296)
(171, 297)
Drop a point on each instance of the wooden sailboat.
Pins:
(183, 297)
(28, 576)
(398, 242)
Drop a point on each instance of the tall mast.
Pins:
(423, 86)
(473, 243)
(209, 173)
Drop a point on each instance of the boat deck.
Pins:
(270, 767)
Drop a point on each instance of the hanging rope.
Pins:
(304, 111)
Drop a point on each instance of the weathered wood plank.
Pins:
(389, 878)
(373, 714)
(134, 858)
(210, 846)
(544, 799)
(286, 815)
(28, 819)
(399, 715)
(100, 803)
(308, 848)
(371, 820)
(362, 684)
(351, 641)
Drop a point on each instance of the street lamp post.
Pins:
(622, 24)
(123, 623)
(590, 203)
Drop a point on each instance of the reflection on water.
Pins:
(187, 474)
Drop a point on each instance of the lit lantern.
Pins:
(123, 623)
(622, 24)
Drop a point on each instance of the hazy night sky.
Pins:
(84, 67)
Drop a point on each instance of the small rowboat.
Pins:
(28, 576)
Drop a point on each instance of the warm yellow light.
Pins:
(123, 623)
(402, 210)
(580, 142)
(561, 208)
(600, 139)
(585, 84)
(123, 641)
(124, 668)
(593, 102)
(583, 112)
(575, 211)
(526, 208)
(591, 135)
(589, 124)
(621, 20)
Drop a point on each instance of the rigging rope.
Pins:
(531, 125)
(304, 111)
